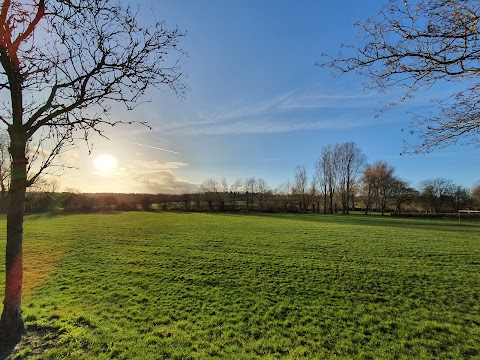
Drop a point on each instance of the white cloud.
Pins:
(163, 182)
(155, 176)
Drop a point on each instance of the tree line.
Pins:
(342, 181)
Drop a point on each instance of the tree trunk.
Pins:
(347, 202)
(11, 323)
(331, 202)
(325, 200)
(369, 198)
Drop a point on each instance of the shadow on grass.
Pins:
(34, 342)
(5, 352)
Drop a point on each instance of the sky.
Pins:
(257, 106)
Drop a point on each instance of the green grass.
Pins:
(206, 286)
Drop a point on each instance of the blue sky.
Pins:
(258, 106)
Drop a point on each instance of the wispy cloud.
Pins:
(151, 147)
(340, 101)
(267, 126)
(285, 112)
(254, 108)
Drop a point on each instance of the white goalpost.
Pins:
(466, 212)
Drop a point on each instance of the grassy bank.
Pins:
(188, 286)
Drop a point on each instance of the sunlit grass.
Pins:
(201, 286)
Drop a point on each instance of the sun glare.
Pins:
(105, 163)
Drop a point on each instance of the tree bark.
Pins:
(11, 323)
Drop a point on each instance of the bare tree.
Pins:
(284, 192)
(68, 198)
(316, 194)
(435, 193)
(235, 190)
(262, 193)
(377, 180)
(460, 198)
(414, 44)
(327, 171)
(62, 64)
(250, 189)
(300, 187)
(350, 162)
(368, 185)
(321, 176)
(400, 193)
(222, 193)
(40, 196)
(476, 195)
(209, 189)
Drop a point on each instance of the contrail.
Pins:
(151, 147)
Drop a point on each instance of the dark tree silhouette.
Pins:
(414, 44)
(62, 63)
(436, 192)
(350, 162)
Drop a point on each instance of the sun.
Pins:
(105, 163)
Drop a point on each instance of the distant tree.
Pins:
(350, 163)
(435, 193)
(326, 169)
(62, 63)
(368, 185)
(300, 187)
(378, 180)
(40, 196)
(284, 193)
(235, 189)
(476, 195)
(316, 192)
(186, 200)
(209, 190)
(321, 176)
(355, 190)
(198, 197)
(250, 189)
(400, 193)
(146, 202)
(68, 198)
(222, 193)
(460, 198)
(262, 193)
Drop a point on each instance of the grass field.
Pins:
(205, 286)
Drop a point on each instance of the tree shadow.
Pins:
(6, 351)
(33, 342)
